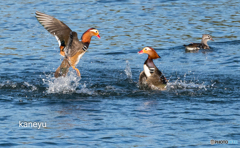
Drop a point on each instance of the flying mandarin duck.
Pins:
(70, 47)
(151, 76)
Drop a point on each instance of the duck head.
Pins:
(152, 54)
(206, 37)
(94, 32)
(86, 37)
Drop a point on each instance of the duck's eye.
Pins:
(209, 36)
(146, 48)
(96, 31)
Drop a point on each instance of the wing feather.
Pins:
(54, 26)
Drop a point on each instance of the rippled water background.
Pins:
(106, 108)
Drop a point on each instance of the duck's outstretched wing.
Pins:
(57, 28)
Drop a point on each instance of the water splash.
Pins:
(179, 84)
(30, 86)
(85, 90)
(64, 85)
(128, 71)
(188, 88)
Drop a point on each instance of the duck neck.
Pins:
(204, 42)
(86, 37)
(149, 62)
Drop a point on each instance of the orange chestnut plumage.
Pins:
(87, 35)
(152, 54)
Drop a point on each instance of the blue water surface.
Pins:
(106, 107)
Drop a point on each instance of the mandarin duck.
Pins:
(70, 47)
(151, 76)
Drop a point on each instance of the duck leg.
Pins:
(78, 72)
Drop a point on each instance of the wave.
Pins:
(8, 84)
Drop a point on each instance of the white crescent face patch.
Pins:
(94, 30)
(147, 48)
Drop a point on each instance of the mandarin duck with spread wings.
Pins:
(70, 47)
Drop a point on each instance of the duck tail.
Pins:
(62, 70)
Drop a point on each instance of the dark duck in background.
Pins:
(202, 45)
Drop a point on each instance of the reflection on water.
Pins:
(106, 107)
